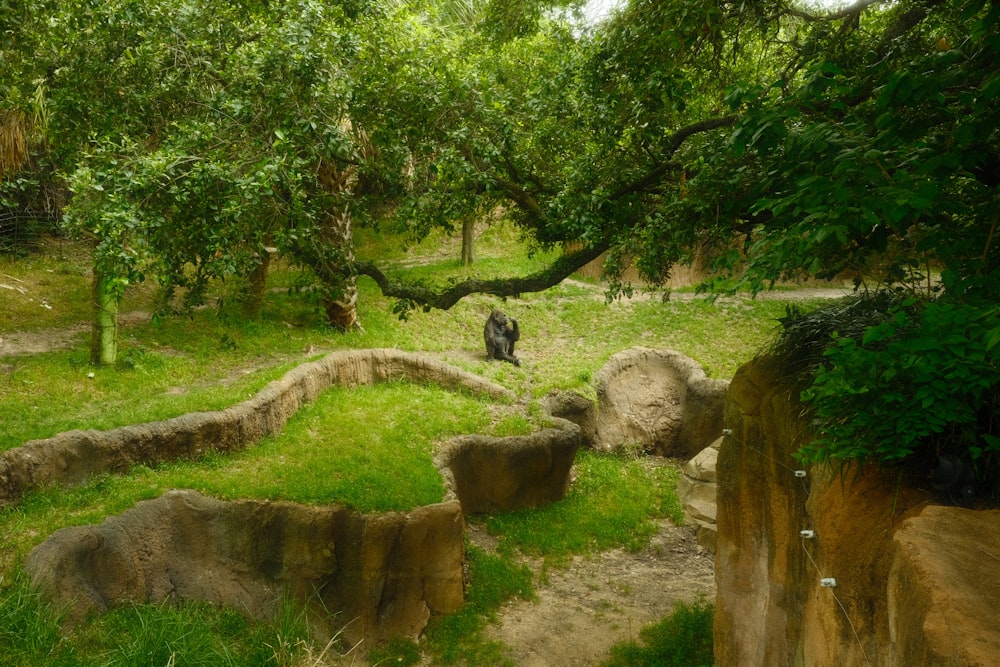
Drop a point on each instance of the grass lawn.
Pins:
(345, 448)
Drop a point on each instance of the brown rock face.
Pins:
(375, 576)
(515, 472)
(660, 400)
(944, 588)
(884, 579)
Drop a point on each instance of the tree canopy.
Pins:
(776, 139)
(780, 137)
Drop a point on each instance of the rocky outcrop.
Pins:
(371, 576)
(658, 400)
(880, 577)
(572, 407)
(943, 589)
(515, 472)
(368, 576)
(696, 489)
(74, 457)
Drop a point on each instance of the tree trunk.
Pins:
(104, 335)
(468, 241)
(253, 297)
(342, 312)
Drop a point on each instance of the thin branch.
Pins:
(676, 140)
(843, 12)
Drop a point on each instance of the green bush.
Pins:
(683, 639)
(901, 380)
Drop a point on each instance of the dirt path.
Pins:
(48, 340)
(606, 598)
(603, 599)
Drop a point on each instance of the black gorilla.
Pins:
(500, 334)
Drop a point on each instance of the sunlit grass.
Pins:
(207, 362)
(614, 502)
(369, 448)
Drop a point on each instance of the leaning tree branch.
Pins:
(676, 140)
(834, 15)
(447, 297)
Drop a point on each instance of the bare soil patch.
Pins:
(602, 599)
(39, 341)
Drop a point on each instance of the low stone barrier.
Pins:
(74, 457)
(511, 473)
(369, 576)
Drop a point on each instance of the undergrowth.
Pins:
(683, 639)
(902, 381)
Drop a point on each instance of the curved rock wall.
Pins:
(886, 578)
(511, 473)
(74, 457)
(381, 575)
(370, 576)
(374, 576)
(660, 400)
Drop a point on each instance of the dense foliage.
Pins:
(771, 139)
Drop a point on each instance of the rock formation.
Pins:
(515, 472)
(74, 457)
(379, 575)
(881, 577)
(372, 576)
(658, 400)
(696, 489)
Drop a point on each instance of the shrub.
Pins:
(683, 639)
(908, 380)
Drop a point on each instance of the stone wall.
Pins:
(370, 577)
(883, 577)
(74, 457)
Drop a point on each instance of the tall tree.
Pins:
(195, 134)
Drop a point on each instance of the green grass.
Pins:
(188, 633)
(683, 639)
(359, 447)
(369, 448)
(613, 502)
(348, 447)
(459, 638)
(209, 360)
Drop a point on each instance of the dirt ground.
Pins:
(603, 599)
